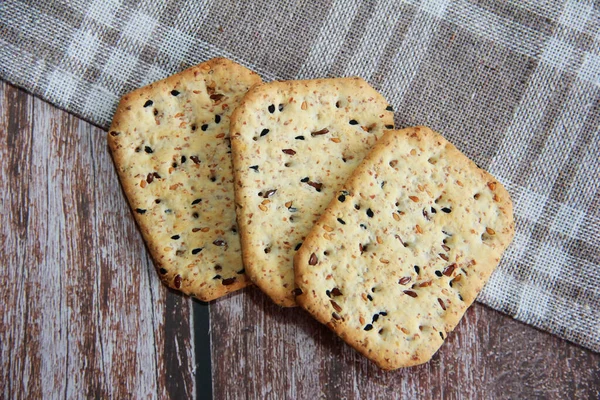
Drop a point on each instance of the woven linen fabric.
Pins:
(513, 84)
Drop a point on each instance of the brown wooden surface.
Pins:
(83, 314)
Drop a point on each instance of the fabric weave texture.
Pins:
(513, 84)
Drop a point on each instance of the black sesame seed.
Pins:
(389, 108)
(460, 297)
(375, 317)
(370, 213)
(433, 210)
(417, 269)
(369, 297)
(299, 137)
(298, 246)
(271, 108)
(196, 201)
(281, 107)
(217, 119)
(148, 150)
(341, 198)
(163, 271)
(353, 122)
(241, 271)
(450, 283)
(264, 132)
(137, 149)
(175, 237)
(217, 277)
(155, 112)
(174, 165)
(183, 159)
(148, 103)
(442, 335)
(292, 209)
(368, 327)
(157, 201)
(304, 180)
(341, 221)
(363, 226)
(174, 92)
(383, 313)
(328, 293)
(140, 211)
(446, 210)
(204, 127)
(168, 211)
(438, 273)
(213, 179)
(197, 250)
(254, 167)
(389, 127)
(194, 215)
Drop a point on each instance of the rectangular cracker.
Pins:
(170, 145)
(294, 143)
(404, 248)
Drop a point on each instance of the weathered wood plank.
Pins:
(265, 352)
(83, 314)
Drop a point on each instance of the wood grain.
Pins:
(266, 352)
(83, 314)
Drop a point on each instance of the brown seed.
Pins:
(364, 296)
(336, 292)
(361, 320)
(414, 198)
(205, 229)
(410, 293)
(393, 163)
(115, 133)
(425, 284)
(418, 229)
(269, 193)
(404, 330)
(297, 292)
(413, 152)
(336, 316)
(316, 185)
(445, 247)
(327, 228)
(384, 261)
(336, 306)
(220, 242)
(288, 204)
(143, 183)
(396, 216)
(289, 151)
(335, 140)
(379, 240)
(490, 231)
(229, 281)
(150, 178)
(492, 185)
(449, 269)
(262, 207)
(177, 281)
(442, 304)
(195, 159)
(304, 105)
(216, 97)
(404, 280)
(313, 259)
(457, 279)
(320, 132)
(443, 256)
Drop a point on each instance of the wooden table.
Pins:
(83, 314)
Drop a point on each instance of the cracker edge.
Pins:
(127, 100)
(277, 294)
(425, 353)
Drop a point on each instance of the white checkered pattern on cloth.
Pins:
(514, 84)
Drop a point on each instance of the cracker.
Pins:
(294, 143)
(404, 248)
(170, 145)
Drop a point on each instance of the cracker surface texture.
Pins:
(404, 248)
(171, 148)
(294, 143)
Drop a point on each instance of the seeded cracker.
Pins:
(294, 143)
(170, 145)
(404, 248)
